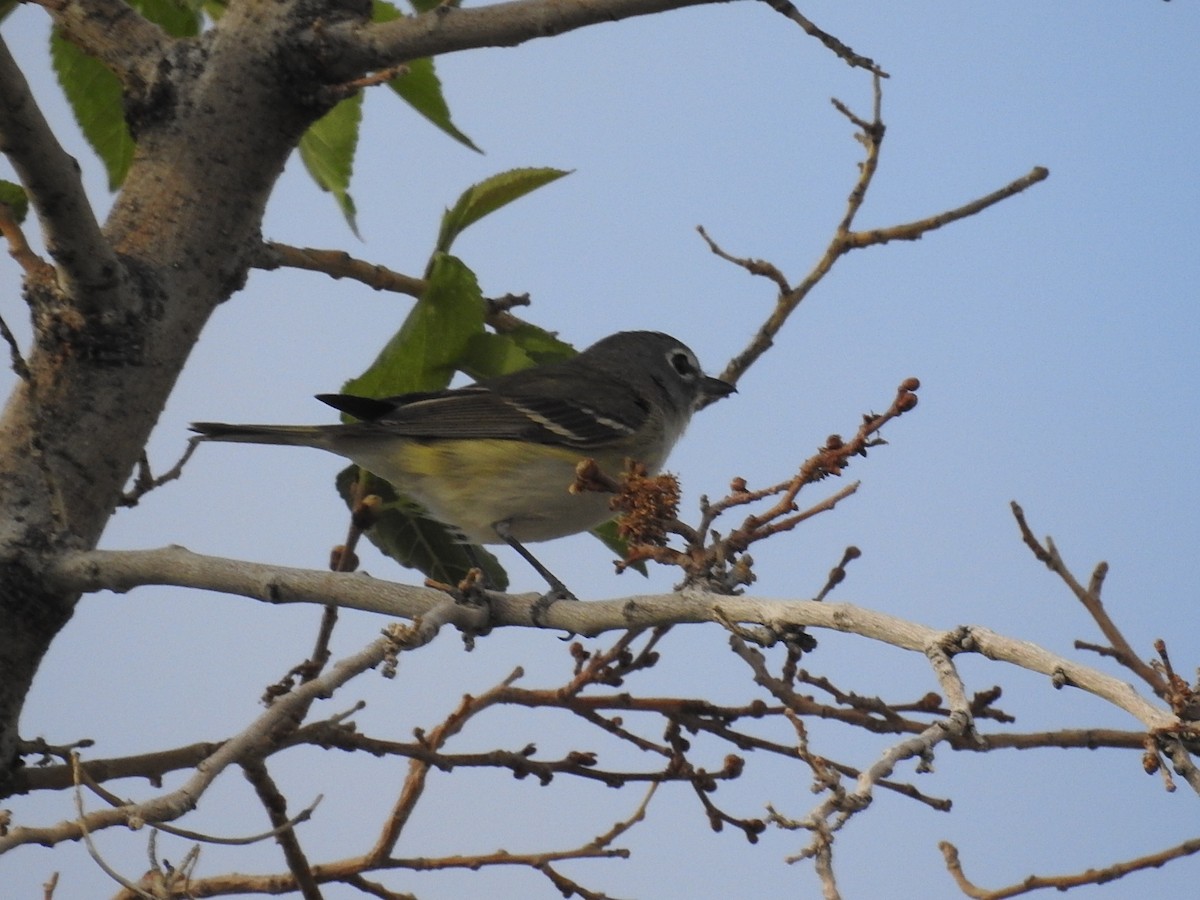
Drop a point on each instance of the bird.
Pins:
(492, 461)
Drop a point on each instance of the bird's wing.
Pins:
(533, 405)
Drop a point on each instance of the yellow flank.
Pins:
(473, 484)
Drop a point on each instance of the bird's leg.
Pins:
(558, 590)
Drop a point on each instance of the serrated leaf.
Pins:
(488, 196)
(402, 532)
(14, 197)
(94, 95)
(420, 88)
(424, 353)
(327, 149)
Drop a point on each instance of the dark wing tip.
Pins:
(365, 409)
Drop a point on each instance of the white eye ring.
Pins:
(684, 364)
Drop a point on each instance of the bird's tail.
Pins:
(289, 435)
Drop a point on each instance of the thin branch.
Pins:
(1063, 882)
(79, 772)
(275, 804)
(760, 267)
(418, 770)
(337, 264)
(870, 135)
(85, 833)
(786, 9)
(145, 480)
(914, 231)
(245, 745)
(88, 270)
(1122, 651)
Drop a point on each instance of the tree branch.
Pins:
(112, 31)
(175, 803)
(123, 570)
(338, 264)
(843, 52)
(88, 270)
(351, 49)
(1062, 882)
(845, 238)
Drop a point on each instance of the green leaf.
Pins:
(617, 544)
(542, 346)
(488, 355)
(14, 197)
(420, 88)
(94, 95)
(488, 196)
(402, 532)
(422, 356)
(327, 149)
(424, 353)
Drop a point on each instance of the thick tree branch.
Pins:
(88, 271)
(348, 50)
(112, 31)
(123, 570)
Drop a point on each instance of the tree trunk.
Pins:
(214, 123)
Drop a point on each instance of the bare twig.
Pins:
(93, 852)
(758, 267)
(275, 804)
(786, 9)
(1090, 598)
(81, 774)
(279, 718)
(845, 238)
(1062, 882)
(145, 481)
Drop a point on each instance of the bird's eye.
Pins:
(683, 363)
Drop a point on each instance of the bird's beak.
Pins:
(714, 389)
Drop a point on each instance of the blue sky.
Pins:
(1055, 337)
